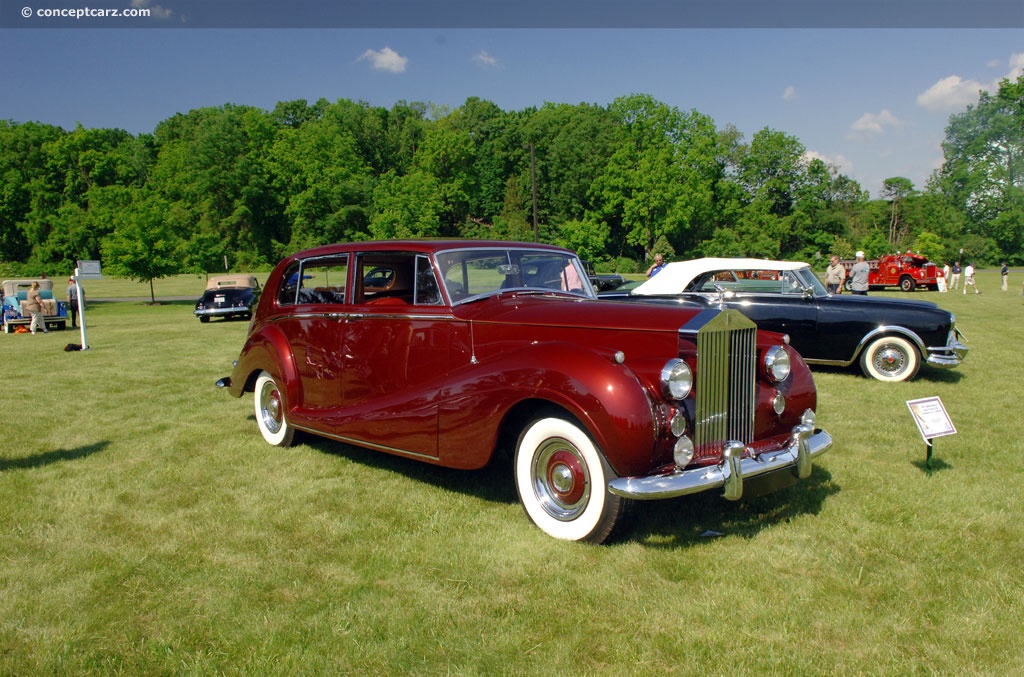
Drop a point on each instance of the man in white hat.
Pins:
(859, 276)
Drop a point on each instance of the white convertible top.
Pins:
(674, 277)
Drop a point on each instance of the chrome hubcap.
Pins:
(561, 481)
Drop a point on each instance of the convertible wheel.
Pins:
(562, 481)
(270, 412)
(890, 358)
(204, 318)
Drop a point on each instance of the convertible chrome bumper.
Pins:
(949, 355)
(805, 444)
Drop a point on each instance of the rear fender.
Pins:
(266, 350)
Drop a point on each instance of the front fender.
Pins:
(605, 396)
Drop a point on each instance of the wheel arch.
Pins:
(889, 330)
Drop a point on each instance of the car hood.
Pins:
(564, 311)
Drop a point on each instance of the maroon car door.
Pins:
(395, 355)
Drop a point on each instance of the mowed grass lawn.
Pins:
(147, 529)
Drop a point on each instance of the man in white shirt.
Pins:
(969, 278)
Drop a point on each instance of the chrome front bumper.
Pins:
(949, 355)
(804, 445)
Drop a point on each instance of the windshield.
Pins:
(472, 273)
(811, 280)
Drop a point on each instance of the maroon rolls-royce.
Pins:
(449, 351)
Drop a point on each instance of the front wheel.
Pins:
(562, 481)
(270, 412)
(890, 358)
(907, 283)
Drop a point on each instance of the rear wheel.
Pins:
(890, 358)
(270, 416)
(562, 481)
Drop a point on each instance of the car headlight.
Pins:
(777, 364)
(676, 379)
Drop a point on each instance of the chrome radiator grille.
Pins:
(726, 383)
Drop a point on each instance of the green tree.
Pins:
(406, 206)
(659, 181)
(984, 168)
(143, 246)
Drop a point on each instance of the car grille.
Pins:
(726, 383)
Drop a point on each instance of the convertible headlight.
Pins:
(776, 364)
(676, 379)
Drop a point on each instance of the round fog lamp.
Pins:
(678, 424)
(682, 454)
(779, 403)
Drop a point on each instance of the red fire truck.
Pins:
(906, 271)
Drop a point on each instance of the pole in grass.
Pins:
(86, 270)
(933, 421)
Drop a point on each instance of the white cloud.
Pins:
(386, 59)
(839, 162)
(949, 94)
(871, 123)
(486, 60)
(156, 11)
(789, 93)
(953, 93)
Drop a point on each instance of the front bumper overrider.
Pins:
(949, 355)
(803, 446)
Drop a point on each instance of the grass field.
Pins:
(147, 529)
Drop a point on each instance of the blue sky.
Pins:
(873, 101)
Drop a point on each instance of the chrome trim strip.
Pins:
(804, 445)
(364, 444)
(362, 316)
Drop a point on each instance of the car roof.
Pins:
(228, 281)
(675, 276)
(425, 246)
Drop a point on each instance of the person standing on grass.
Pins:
(969, 278)
(72, 294)
(659, 263)
(859, 276)
(1005, 273)
(954, 282)
(34, 307)
(835, 274)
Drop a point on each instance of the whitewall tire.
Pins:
(270, 416)
(890, 358)
(562, 481)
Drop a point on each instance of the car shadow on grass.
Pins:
(688, 520)
(671, 523)
(49, 457)
(494, 482)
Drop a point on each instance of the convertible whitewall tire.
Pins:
(270, 416)
(890, 358)
(562, 481)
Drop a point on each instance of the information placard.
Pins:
(931, 418)
(89, 270)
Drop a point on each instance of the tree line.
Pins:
(240, 187)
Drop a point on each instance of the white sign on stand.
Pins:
(86, 270)
(932, 420)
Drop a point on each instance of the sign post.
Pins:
(932, 420)
(86, 270)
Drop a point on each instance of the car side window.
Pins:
(320, 280)
(427, 292)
